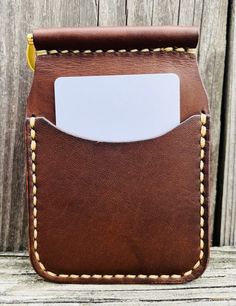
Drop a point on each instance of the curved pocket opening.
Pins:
(45, 121)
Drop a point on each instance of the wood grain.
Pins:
(19, 17)
(228, 216)
(211, 64)
(112, 13)
(21, 285)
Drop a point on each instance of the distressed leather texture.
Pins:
(117, 212)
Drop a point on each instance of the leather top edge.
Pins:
(105, 38)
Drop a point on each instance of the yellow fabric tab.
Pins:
(30, 52)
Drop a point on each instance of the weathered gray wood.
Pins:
(112, 13)
(166, 12)
(228, 218)
(19, 17)
(211, 64)
(19, 284)
(139, 12)
(11, 118)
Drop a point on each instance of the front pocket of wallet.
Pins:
(117, 208)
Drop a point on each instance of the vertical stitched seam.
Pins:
(34, 189)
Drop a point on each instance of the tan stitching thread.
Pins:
(167, 49)
(33, 146)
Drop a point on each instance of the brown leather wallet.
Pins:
(102, 212)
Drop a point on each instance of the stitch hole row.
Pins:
(34, 189)
(144, 50)
(202, 187)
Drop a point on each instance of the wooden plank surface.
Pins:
(212, 52)
(19, 285)
(228, 216)
(18, 17)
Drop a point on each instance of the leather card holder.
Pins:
(134, 212)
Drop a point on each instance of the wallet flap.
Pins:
(157, 50)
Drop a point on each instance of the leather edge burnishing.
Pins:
(196, 270)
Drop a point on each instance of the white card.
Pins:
(118, 108)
